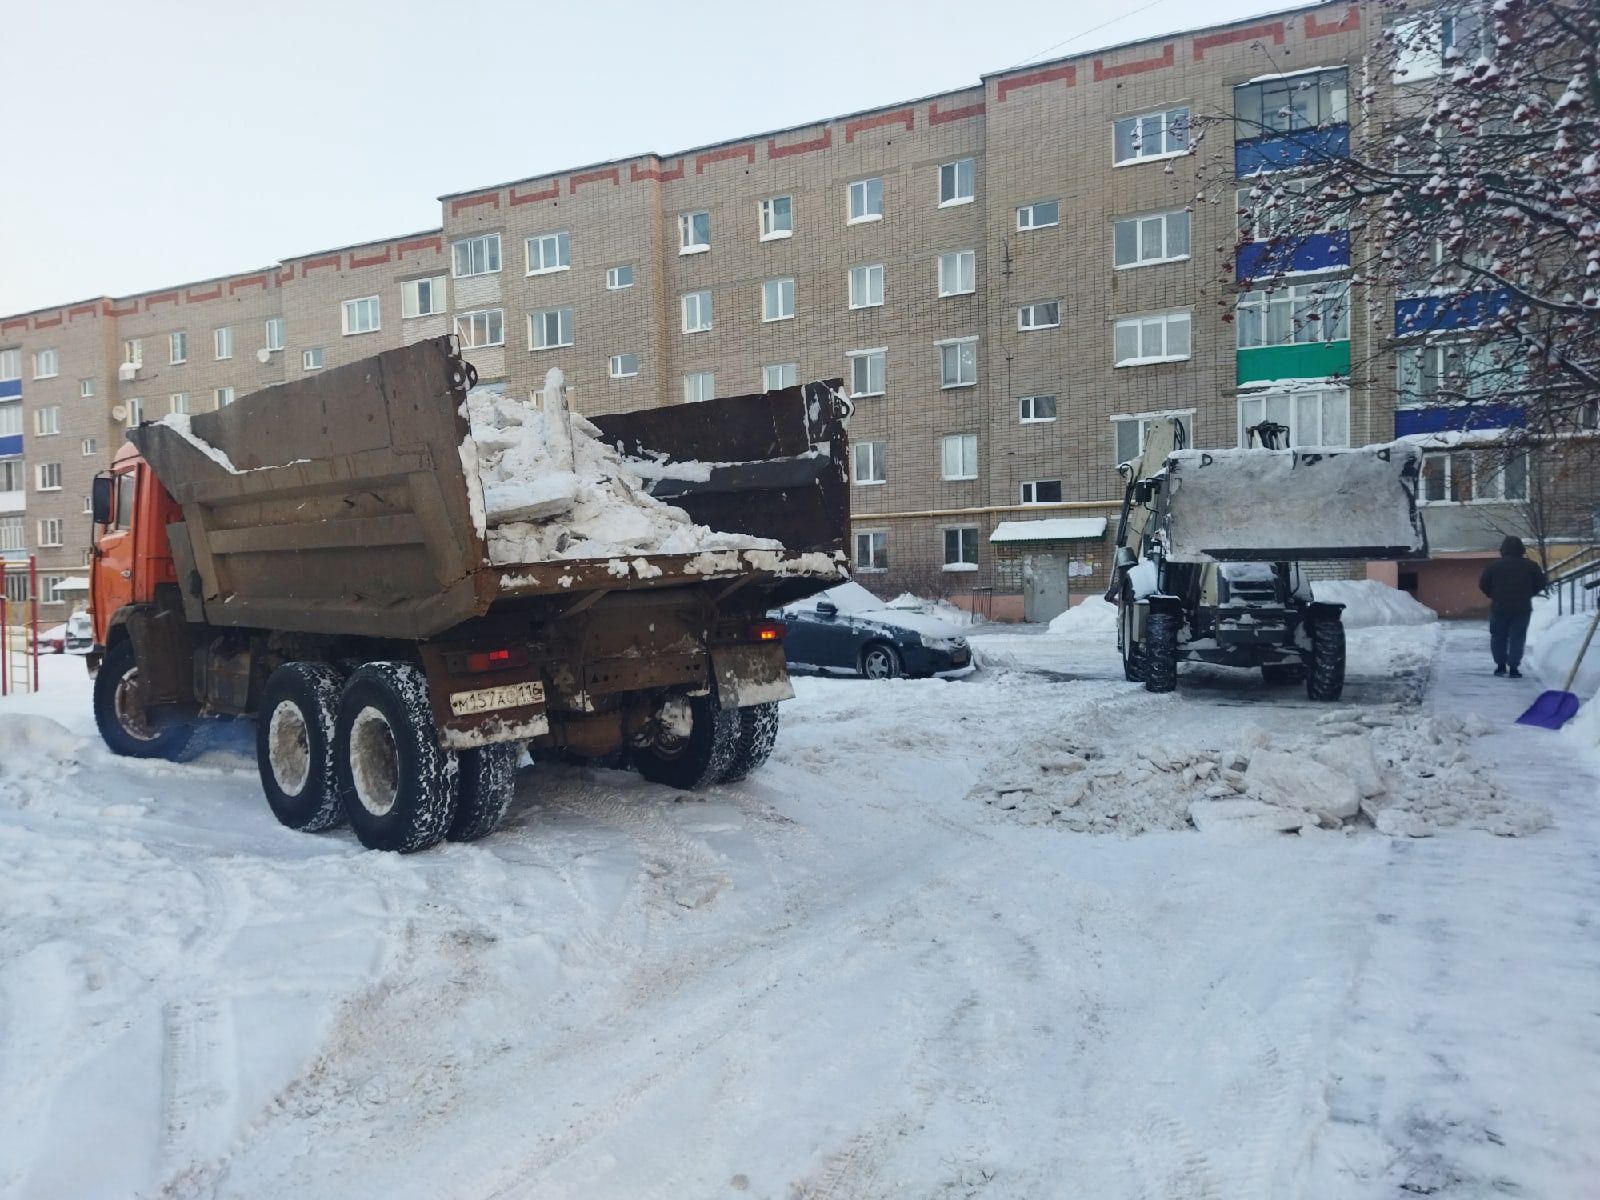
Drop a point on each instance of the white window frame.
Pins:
(86, 389)
(353, 314)
(133, 352)
(1271, 207)
(554, 252)
(274, 332)
(46, 471)
(770, 230)
(222, 342)
(11, 363)
(614, 277)
(866, 276)
(1031, 224)
(1256, 310)
(865, 193)
(1165, 149)
(956, 345)
(1028, 491)
(963, 265)
(965, 470)
(876, 559)
(1471, 459)
(614, 366)
(411, 293)
(955, 195)
(1144, 420)
(47, 421)
(688, 239)
(1295, 399)
(700, 303)
(695, 382)
(223, 396)
(874, 473)
(490, 319)
(777, 290)
(961, 562)
(1138, 321)
(50, 589)
(880, 354)
(177, 347)
(1041, 314)
(1027, 406)
(10, 421)
(1140, 225)
(1452, 367)
(51, 530)
(309, 354)
(13, 530)
(786, 371)
(484, 247)
(178, 403)
(135, 410)
(90, 446)
(539, 328)
(46, 363)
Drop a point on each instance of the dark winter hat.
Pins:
(1512, 547)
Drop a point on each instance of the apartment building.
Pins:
(1011, 280)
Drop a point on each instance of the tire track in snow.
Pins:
(198, 1070)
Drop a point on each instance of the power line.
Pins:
(1085, 33)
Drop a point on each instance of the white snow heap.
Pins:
(553, 490)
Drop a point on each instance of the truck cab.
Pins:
(130, 556)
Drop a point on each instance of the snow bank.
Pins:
(1093, 617)
(1553, 644)
(1368, 602)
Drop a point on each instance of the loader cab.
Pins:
(130, 554)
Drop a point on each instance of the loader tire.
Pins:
(700, 759)
(1132, 652)
(294, 745)
(758, 733)
(397, 784)
(1325, 676)
(488, 780)
(1160, 657)
(122, 722)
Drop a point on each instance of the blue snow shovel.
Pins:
(1552, 710)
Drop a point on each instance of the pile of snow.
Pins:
(1553, 644)
(1093, 617)
(553, 490)
(1368, 602)
(944, 610)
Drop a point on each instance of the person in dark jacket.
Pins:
(1511, 584)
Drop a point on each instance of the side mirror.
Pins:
(100, 499)
(827, 608)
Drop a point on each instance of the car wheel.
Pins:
(880, 661)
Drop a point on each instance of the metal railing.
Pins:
(1576, 582)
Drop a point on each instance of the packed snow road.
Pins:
(920, 954)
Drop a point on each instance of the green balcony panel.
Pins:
(1312, 360)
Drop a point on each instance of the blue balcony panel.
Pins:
(1456, 418)
(1281, 256)
(10, 389)
(1288, 151)
(1440, 314)
(10, 446)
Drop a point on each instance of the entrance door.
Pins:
(1044, 586)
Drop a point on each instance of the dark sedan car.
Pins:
(847, 628)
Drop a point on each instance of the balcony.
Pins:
(1455, 418)
(1298, 150)
(1442, 312)
(1289, 255)
(1301, 360)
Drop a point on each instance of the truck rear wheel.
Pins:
(488, 780)
(1325, 677)
(397, 784)
(121, 719)
(1160, 657)
(294, 745)
(699, 759)
(758, 733)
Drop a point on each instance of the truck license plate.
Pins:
(511, 695)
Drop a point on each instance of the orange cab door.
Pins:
(111, 577)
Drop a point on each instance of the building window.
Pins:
(958, 273)
(868, 370)
(959, 456)
(1491, 476)
(866, 200)
(955, 183)
(872, 550)
(1042, 491)
(1131, 432)
(1158, 337)
(958, 363)
(866, 286)
(50, 531)
(10, 364)
(418, 298)
(13, 536)
(619, 277)
(1161, 237)
(178, 402)
(1041, 314)
(696, 312)
(1455, 371)
(47, 477)
(90, 447)
(177, 348)
(1033, 409)
(1041, 214)
(1150, 135)
(549, 329)
(361, 316)
(1276, 208)
(222, 341)
(549, 252)
(476, 256)
(86, 388)
(46, 364)
(223, 397)
(11, 421)
(1314, 416)
(47, 421)
(694, 232)
(487, 327)
(133, 352)
(777, 218)
(779, 375)
(311, 360)
(623, 366)
(135, 411)
(961, 548)
(1278, 106)
(777, 300)
(699, 386)
(866, 463)
(50, 589)
(1296, 314)
(274, 333)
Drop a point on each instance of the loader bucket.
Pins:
(1287, 505)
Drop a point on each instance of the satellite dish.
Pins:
(127, 371)
(119, 412)
(263, 355)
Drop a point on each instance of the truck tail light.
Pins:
(497, 660)
(767, 631)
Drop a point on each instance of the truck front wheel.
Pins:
(1160, 657)
(1325, 677)
(397, 784)
(126, 727)
(294, 745)
(696, 759)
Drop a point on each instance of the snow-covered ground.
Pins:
(896, 962)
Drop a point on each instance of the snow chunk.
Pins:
(1094, 617)
(1370, 602)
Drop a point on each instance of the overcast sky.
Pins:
(158, 143)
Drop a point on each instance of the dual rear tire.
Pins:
(723, 745)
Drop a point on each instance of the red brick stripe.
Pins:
(251, 281)
(372, 260)
(935, 117)
(636, 172)
(164, 298)
(435, 244)
(905, 117)
(456, 206)
(746, 152)
(549, 193)
(1350, 20)
(191, 298)
(327, 260)
(285, 276)
(1228, 37)
(612, 173)
(1137, 67)
(41, 323)
(83, 310)
(1016, 83)
(21, 322)
(113, 311)
(818, 143)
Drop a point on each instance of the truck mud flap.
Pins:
(748, 675)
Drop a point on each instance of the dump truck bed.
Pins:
(348, 503)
